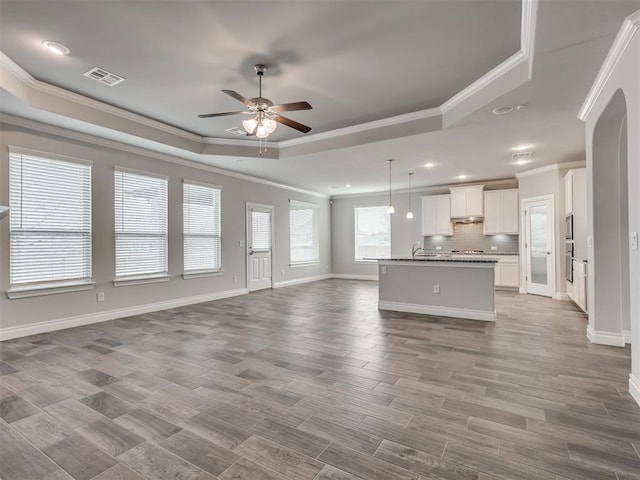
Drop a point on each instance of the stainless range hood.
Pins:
(468, 220)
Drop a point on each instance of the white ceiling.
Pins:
(354, 61)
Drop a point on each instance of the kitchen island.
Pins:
(444, 286)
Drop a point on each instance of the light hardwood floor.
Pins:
(313, 382)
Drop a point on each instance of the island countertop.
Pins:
(438, 259)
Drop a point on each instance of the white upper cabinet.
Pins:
(436, 215)
(467, 201)
(568, 193)
(501, 212)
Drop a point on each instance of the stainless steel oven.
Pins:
(568, 227)
(568, 260)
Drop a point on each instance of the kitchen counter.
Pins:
(419, 258)
(442, 286)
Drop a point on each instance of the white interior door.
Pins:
(538, 247)
(259, 246)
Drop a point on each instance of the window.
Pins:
(303, 232)
(373, 232)
(50, 222)
(141, 225)
(201, 227)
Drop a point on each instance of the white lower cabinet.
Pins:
(507, 271)
(577, 291)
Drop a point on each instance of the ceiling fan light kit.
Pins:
(266, 115)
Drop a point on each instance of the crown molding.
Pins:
(103, 142)
(554, 167)
(16, 69)
(627, 31)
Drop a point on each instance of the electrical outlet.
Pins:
(282, 272)
(241, 243)
(101, 296)
(235, 279)
(438, 247)
(436, 289)
(589, 241)
(493, 247)
(383, 270)
(634, 240)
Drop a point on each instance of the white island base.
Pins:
(450, 288)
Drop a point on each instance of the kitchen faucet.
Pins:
(415, 248)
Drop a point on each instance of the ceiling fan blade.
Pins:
(292, 123)
(239, 97)
(290, 107)
(223, 114)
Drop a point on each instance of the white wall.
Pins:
(620, 72)
(122, 300)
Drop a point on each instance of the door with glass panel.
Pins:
(259, 248)
(538, 247)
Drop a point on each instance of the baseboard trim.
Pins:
(440, 311)
(80, 320)
(605, 338)
(298, 281)
(634, 387)
(349, 276)
(561, 296)
(626, 334)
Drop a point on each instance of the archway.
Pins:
(609, 268)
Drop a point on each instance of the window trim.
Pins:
(355, 234)
(316, 233)
(209, 272)
(53, 287)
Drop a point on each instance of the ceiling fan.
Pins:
(266, 115)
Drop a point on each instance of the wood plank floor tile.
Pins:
(245, 469)
(202, 453)
(119, 472)
(19, 460)
(364, 466)
(107, 404)
(147, 425)
(110, 437)
(14, 408)
(79, 457)
(428, 466)
(155, 463)
(295, 438)
(216, 431)
(42, 429)
(287, 462)
(316, 373)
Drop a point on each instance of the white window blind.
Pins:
(303, 232)
(373, 232)
(260, 230)
(201, 219)
(141, 224)
(50, 220)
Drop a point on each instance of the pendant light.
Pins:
(410, 212)
(390, 208)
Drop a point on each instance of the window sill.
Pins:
(142, 280)
(359, 260)
(303, 264)
(202, 274)
(49, 289)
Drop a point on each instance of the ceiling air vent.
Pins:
(237, 131)
(522, 155)
(103, 76)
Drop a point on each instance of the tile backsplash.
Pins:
(469, 236)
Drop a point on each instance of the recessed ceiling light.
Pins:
(55, 47)
(462, 177)
(502, 110)
(348, 185)
(429, 165)
(522, 148)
